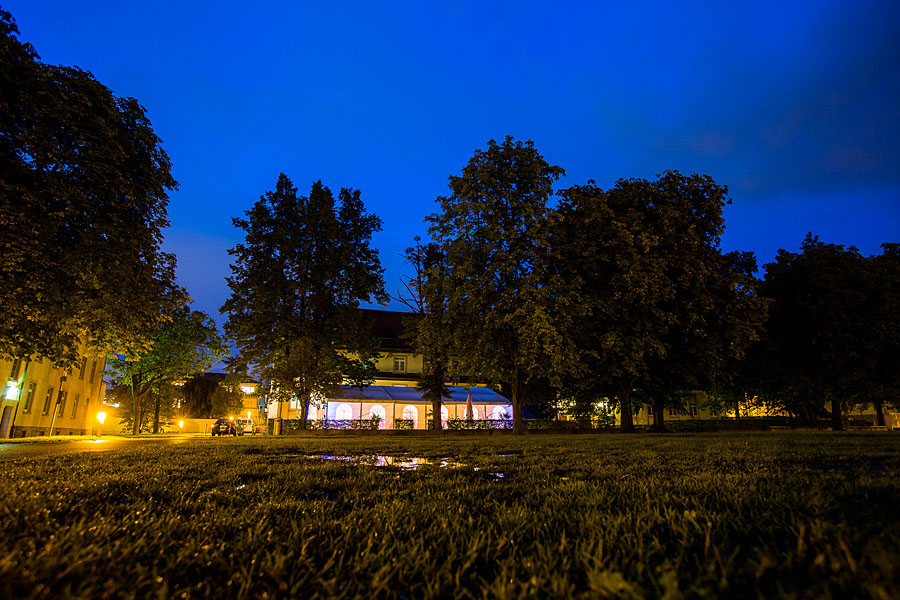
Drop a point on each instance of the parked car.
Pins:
(245, 425)
(224, 427)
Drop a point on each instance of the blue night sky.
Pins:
(794, 105)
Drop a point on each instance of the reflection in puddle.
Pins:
(406, 463)
(403, 462)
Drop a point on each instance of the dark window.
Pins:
(83, 366)
(29, 397)
(93, 371)
(14, 371)
(47, 400)
(75, 405)
(62, 403)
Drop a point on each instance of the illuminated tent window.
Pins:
(411, 414)
(499, 412)
(313, 412)
(474, 412)
(378, 411)
(445, 415)
(343, 412)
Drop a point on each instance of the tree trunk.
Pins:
(659, 424)
(136, 425)
(436, 414)
(304, 408)
(837, 422)
(518, 416)
(625, 408)
(737, 406)
(879, 411)
(156, 414)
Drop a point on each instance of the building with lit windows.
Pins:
(39, 399)
(393, 397)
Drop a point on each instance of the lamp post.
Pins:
(59, 397)
(181, 426)
(101, 417)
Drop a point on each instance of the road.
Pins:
(54, 448)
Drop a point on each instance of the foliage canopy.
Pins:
(83, 197)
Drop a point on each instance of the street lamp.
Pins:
(181, 426)
(101, 417)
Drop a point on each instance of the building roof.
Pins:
(384, 393)
(388, 328)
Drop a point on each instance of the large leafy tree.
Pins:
(658, 306)
(502, 302)
(830, 334)
(296, 284)
(881, 387)
(83, 197)
(184, 345)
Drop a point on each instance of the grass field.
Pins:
(812, 515)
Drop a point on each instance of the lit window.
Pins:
(411, 414)
(499, 413)
(248, 389)
(400, 364)
(445, 416)
(378, 411)
(693, 408)
(313, 413)
(343, 412)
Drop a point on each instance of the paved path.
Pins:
(54, 448)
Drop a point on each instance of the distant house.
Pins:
(393, 397)
(39, 399)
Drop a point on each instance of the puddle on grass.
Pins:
(410, 463)
(405, 463)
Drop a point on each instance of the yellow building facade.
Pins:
(39, 399)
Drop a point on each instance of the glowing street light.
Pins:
(181, 426)
(101, 417)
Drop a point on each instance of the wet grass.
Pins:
(738, 515)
